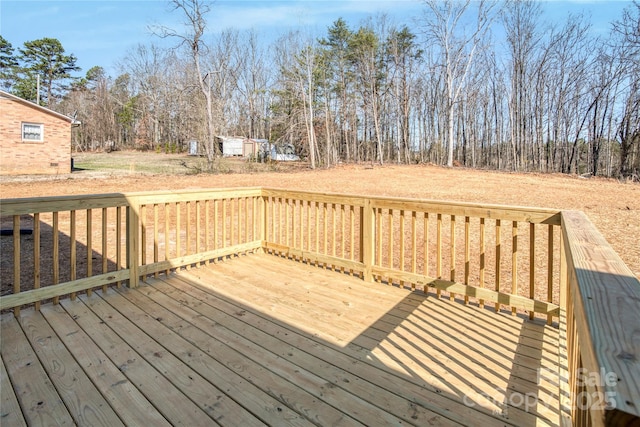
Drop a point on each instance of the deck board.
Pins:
(10, 412)
(123, 396)
(195, 352)
(39, 400)
(262, 340)
(264, 390)
(84, 402)
(290, 363)
(448, 356)
(148, 378)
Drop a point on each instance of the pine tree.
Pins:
(46, 57)
(8, 63)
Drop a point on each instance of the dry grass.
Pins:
(613, 207)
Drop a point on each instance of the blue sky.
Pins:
(100, 32)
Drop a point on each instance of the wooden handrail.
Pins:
(32, 205)
(485, 210)
(602, 306)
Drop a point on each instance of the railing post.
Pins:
(566, 377)
(263, 221)
(367, 240)
(564, 282)
(133, 242)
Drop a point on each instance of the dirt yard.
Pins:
(613, 207)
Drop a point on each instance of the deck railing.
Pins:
(79, 243)
(452, 247)
(601, 318)
(539, 262)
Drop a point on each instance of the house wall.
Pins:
(52, 156)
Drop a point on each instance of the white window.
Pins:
(32, 132)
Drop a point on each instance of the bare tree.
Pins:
(194, 12)
(228, 101)
(146, 65)
(520, 19)
(252, 83)
(91, 102)
(443, 22)
(627, 30)
(296, 59)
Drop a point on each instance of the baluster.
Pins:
(439, 251)
(452, 296)
(532, 264)
(514, 261)
(89, 247)
(156, 257)
(467, 255)
(498, 260)
(482, 258)
(16, 260)
(36, 255)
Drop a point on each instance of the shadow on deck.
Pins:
(263, 340)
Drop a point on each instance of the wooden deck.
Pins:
(259, 340)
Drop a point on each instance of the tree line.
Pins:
(481, 84)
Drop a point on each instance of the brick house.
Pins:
(33, 139)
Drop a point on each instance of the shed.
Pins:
(251, 147)
(279, 152)
(193, 148)
(230, 145)
(33, 139)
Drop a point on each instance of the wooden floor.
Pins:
(261, 340)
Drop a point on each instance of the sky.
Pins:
(101, 32)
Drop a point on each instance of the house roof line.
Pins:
(38, 107)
